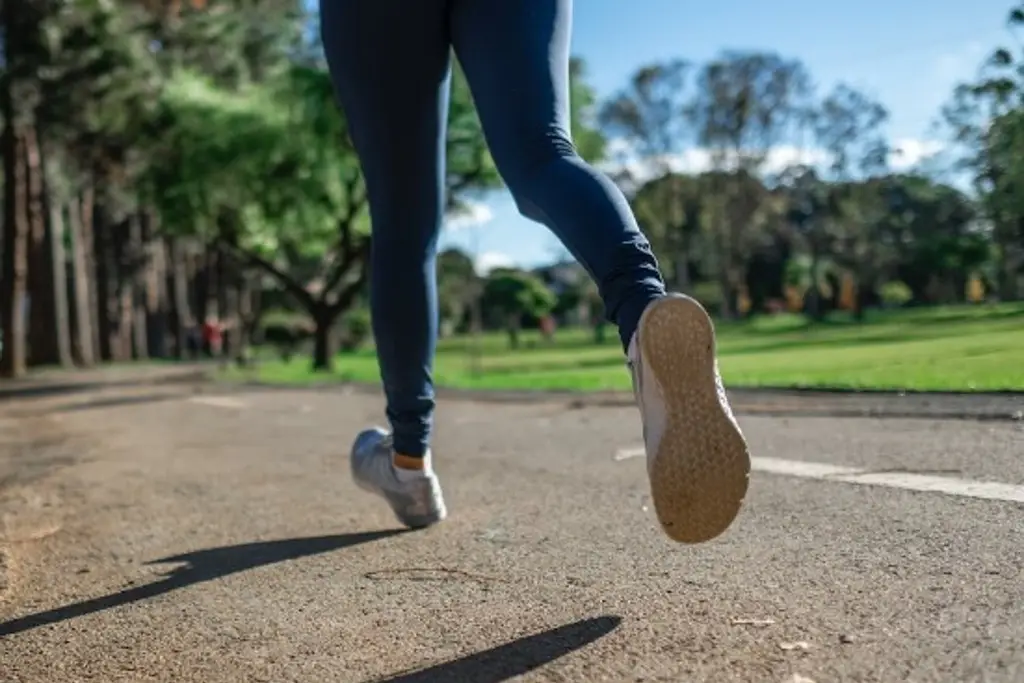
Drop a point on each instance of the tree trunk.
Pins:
(323, 338)
(203, 285)
(48, 311)
(134, 288)
(514, 322)
(14, 277)
(61, 289)
(115, 309)
(248, 314)
(682, 271)
(227, 302)
(858, 304)
(88, 217)
(813, 304)
(154, 289)
(181, 317)
(726, 307)
(106, 284)
(81, 281)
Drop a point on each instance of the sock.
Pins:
(409, 467)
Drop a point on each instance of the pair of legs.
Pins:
(391, 63)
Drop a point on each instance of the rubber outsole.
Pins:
(701, 469)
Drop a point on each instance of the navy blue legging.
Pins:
(390, 61)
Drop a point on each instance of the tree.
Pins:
(848, 126)
(980, 117)
(586, 133)
(651, 115)
(514, 294)
(936, 239)
(276, 186)
(1002, 178)
(270, 173)
(21, 23)
(746, 103)
(96, 95)
(458, 286)
(807, 212)
(672, 211)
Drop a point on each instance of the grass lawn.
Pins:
(949, 348)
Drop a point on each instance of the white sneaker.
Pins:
(697, 458)
(416, 499)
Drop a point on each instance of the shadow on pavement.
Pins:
(515, 658)
(44, 389)
(117, 402)
(200, 566)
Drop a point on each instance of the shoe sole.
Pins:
(700, 472)
(412, 522)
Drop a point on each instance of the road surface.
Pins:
(151, 533)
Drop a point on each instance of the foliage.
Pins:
(355, 329)
(187, 161)
(514, 294)
(458, 287)
(895, 293)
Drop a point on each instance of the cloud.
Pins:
(470, 215)
(698, 160)
(489, 260)
(906, 153)
(909, 152)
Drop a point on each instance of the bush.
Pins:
(286, 332)
(895, 294)
(355, 329)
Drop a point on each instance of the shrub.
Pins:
(355, 329)
(895, 294)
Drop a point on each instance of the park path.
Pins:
(169, 534)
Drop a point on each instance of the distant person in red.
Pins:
(547, 327)
(213, 336)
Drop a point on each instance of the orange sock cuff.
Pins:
(408, 462)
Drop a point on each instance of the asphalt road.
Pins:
(152, 534)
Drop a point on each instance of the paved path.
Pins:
(157, 534)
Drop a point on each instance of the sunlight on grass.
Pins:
(950, 348)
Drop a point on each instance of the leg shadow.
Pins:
(514, 658)
(200, 566)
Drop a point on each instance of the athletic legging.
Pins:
(390, 61)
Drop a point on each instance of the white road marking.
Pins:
(627, 453)
(217, 401)
(909, 481)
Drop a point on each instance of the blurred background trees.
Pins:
(170, 165)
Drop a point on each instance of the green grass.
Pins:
(972, 348)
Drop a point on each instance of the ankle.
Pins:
(408, 462)
(409, 466)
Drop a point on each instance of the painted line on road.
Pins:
(217, 401)
(627, 453)
(908, 481)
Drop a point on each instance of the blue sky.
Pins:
(906, 53)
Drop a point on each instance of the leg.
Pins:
(516, 58)
(390, 63)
